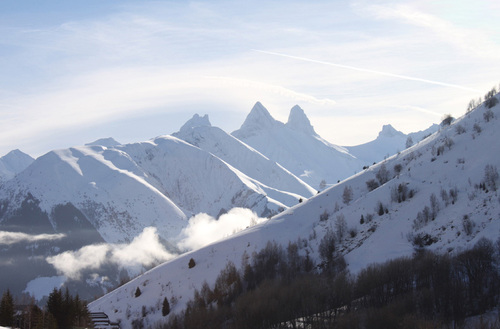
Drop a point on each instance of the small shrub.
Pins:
(434, 206)
(453, 193)
(421, 240)
(347, 194)
(468, 225)
(340, 226)
(488, 115)
(459, 129)
(324, 216)
(380, 209)
(447, 120)
(371, 185)
(382, 175)
(137, 292)
(362, 220)
(477, 128)
(409, 142)
(448, 142)
(445, 197)
(137, 324)
(397, 168)
(191, 263)
(327, 246)
(399, 193)
(491, 176)
(369, 218)
(353, 231)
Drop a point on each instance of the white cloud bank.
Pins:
(8, 238)
(144, 250)
(204, 229)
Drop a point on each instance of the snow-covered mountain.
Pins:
(113, 195)
(107, 142)
(296, 146)
(199, 132)
(13, 163)
(197, 181)
(69, 200)
(440, 194)
(388, 142)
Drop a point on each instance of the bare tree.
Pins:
(347, 194)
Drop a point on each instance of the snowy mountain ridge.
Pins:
(106, 192)
(440, 194)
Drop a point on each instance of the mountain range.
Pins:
(440, 194)
(111, 193)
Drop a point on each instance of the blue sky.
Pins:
(75, 71)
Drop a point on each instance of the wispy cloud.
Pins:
(8, 238)
(263, 88)
(469, 39)
(392, 75)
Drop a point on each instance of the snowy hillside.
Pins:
(388, 142)
(441, 194)
(13, 163)
(199, 132)
(197, 181)
(69, 200)
(296, 146)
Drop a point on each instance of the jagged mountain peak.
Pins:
(259, 118)
(106, 142)
(196, 121)
(389, 131)
(299, 121)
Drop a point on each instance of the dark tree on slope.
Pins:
(137, 292)
(491, 176)
(165, 310)
(447, 120)
(340, 226)
(409, 142)
(382, 175)
(371, 185)
(7, 310)
(347, 194)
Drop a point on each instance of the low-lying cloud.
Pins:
(204, 229)
(144, 250)
(8, 238)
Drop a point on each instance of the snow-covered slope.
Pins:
(13, 163)
(454, 173)
(81, 196)
(296, 146)
(105, 184)
(199, 132)
(388, 142)
(197, 181)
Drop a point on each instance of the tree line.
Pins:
(61, 311)
(279, 288)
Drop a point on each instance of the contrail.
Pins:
(369, 71)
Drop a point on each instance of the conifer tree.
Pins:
(165, 310)
(7, 310)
